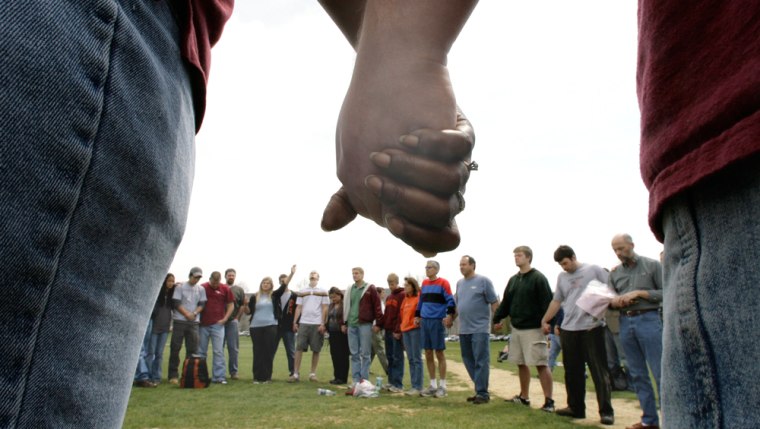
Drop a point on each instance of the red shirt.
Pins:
(699, 92)
(216, 303)
(201, 23)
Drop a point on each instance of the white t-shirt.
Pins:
(311, 306)
(569, 289)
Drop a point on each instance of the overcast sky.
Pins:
(549, 87)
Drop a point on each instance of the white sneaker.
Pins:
(430, 391)
(394, 389)
(293, 378)
(412, 392)
(441, 392)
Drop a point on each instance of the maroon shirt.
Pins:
(216, 303)
(699, 92)
(201, 23)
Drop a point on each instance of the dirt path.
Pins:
(504, 384)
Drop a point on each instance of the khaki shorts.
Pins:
(528, 347)
(309, 337)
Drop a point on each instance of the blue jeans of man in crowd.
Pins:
(288, 338)
(641, 338)
(711, 302)
(232, 341)
(156, 355)
(216, 333)
(97, 147)
(476, 356)
(554, 349)
(360, 347)
(413, 345)
(142, 373)
(394, 351)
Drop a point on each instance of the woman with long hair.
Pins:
(410, 332)
(338, 340)
(162, 321)
(264, 321)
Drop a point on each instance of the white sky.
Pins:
(549, 87)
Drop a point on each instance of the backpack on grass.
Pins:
(195, 373)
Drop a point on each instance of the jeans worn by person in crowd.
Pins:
(394, 351)
(156, 355)
(232, 342)
(476, 356)
(142, 373)
(96, 144)
(641, 338)
(288, 338)
(360, 347)
(214, 332)
(554, 349)
(413, 346)
(711, 302)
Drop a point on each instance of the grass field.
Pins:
(241, 404)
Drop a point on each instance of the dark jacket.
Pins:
(392, 308)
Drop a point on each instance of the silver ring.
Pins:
(460, 198)
(472, 166)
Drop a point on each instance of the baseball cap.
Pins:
(196, 271)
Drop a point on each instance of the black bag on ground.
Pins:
(194, 373)
(618, 379)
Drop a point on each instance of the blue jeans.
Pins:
(554, 350)
(289, 342)
(711, 299)
(394, 351)
(413, 345)
(476, 356)
(96, 140)
(143, 368)
(216, 333)
(360, 347)
(641, 338)
(232, 341)
(156, 355)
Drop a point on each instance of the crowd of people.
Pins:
(414, 318)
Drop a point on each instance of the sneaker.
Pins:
(480, 400)
(471, 398)
(294, 378)
(441, 392)
(256, 382)
(412, 392)
(502, 357)
(234, 376)
(517, 399)
(173, 381)
(313, 377)
(394, 389)
(568, 412)
(639, 425)
(548, 406)
(430, 391)
(220, 381)
(144, 383)
(608, 419)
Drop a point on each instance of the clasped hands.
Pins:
(403, 149)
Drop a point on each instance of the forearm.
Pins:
(551, 312)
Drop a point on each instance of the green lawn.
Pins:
(241, 404)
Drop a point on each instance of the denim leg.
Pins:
(156, 354)
(481, 347)
(97, 144)
(365, 348)
(143, 369)
(636, 336)
(353, 348)
(232, 341)
(468, 357)
(217, 347)
(554, 350)
(711, 270)
(289, 341)
(413, 345)
(204, 334)
(395, 353)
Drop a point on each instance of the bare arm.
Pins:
(549, 315)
